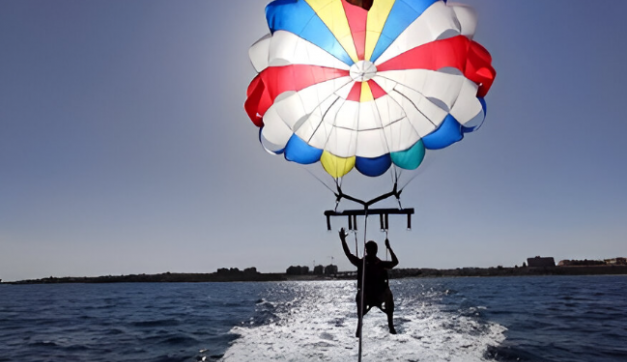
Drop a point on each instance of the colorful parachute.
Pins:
(367, 89)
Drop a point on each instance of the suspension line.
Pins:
(363, 284)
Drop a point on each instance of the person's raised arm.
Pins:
(352, 258)
(394, 261)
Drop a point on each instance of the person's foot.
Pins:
(392, 330)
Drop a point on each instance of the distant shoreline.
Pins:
(275, 277)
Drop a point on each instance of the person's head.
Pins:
(371, 248)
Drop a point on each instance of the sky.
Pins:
(125, 149)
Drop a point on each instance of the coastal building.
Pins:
(297, 270)
(325, 270)
(616, 261)
(540, 262)
(227, 271)
(330, 269)
(251, 271)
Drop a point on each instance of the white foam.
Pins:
(319, 325)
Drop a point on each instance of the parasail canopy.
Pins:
(351, 88)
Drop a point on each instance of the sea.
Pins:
(552, 319)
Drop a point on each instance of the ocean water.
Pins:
(552, 319)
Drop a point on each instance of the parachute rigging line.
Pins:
(319, 180)
(356, 244)
(387, 252)
(363, 284)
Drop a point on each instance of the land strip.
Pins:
(269, 277)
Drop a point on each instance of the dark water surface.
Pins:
(121, 322)
(551, 319)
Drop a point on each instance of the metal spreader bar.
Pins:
(384, 213)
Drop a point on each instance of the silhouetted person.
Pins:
(366, 4)
(376, 290)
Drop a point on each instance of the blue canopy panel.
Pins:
(373, 167)
(299, 151)
(449, 132)
(297, 17)
(403, 13)
(411, 158)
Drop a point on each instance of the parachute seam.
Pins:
(351, 30)
(323, 115)
(388, 141)
(333, 125)
(385, 23)
(327, 110)
(368, 129)
(419, 111)
(330, 31)
(395, 180)
(419, 92)
(385, 139)
(406, 115)
(314, 45)
(298, 93)
(435, 38)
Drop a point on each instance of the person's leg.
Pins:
(389, 310)
(360, 317)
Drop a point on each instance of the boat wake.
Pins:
(316, 321)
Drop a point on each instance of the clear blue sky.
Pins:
(124, 147)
